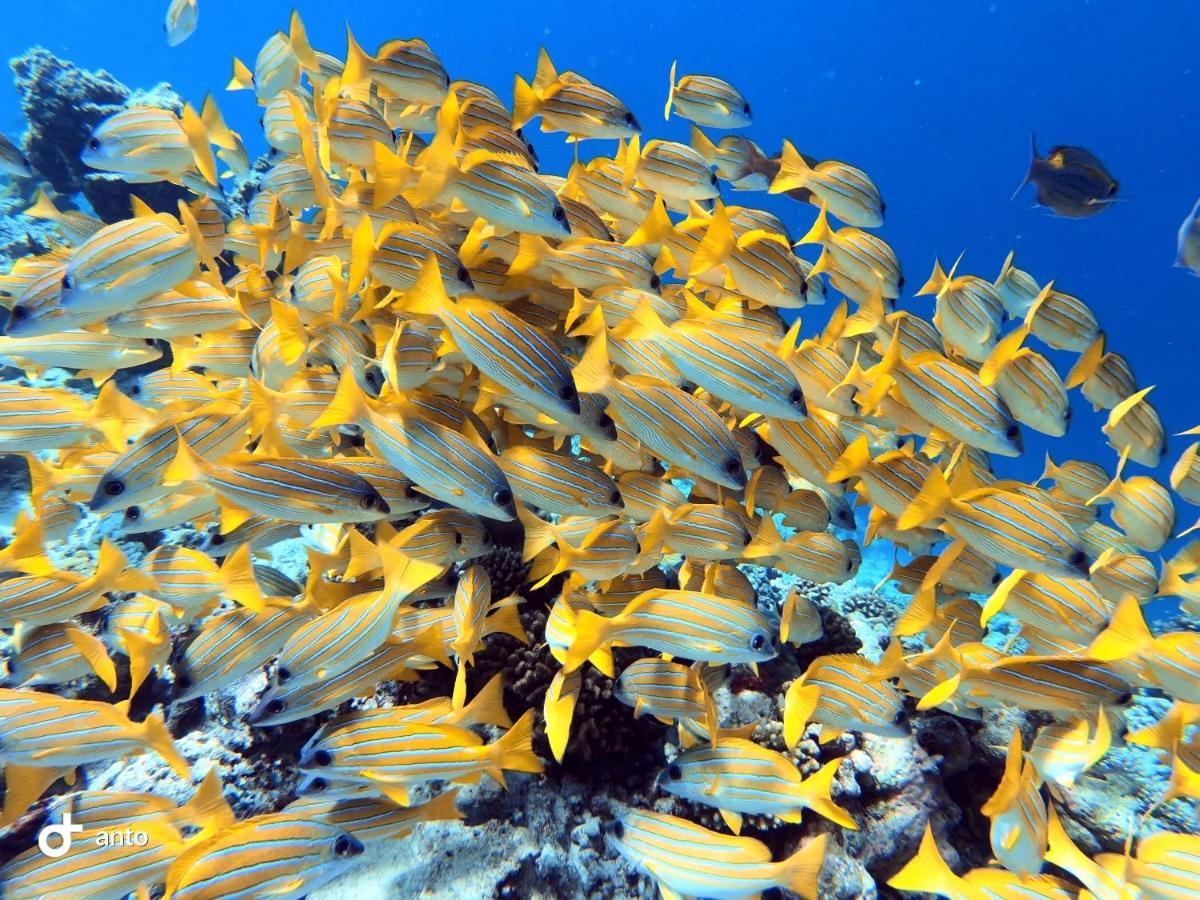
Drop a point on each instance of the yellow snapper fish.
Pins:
(1009, 528)
(707, 100)
(53, 654)
(1063, 751)
(840, 692)
(738, 776)
(690, 624)
(689, 860)
(570, 103)
(372, 820)
(53, 596)
(282, 853)
(928, 871)
(680, 428)
(148, 144)
(1019, 821)
(1173, 659)
(329, 644)
(669, 691)
(1143, 508)
(33, 419)
(96, 866)
(847, 192)
(394, 756)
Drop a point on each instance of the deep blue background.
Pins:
(935, 101)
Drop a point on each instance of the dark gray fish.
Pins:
(1070, 181)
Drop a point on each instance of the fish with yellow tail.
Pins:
(393, 757)
(1004, 526)
(1172, 659)
(281, 854)
(740, 777)
(1018, 814)
(690, 624)
(707, 100)
(568, 102)
(929, 872)
(847, 192)
(689, 860)
(841, 692)
(333, 642)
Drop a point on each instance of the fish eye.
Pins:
(614, 498)
(342, 846)
(18, 313)
(996, 578)
(322, 758)
(900, 282)
(900, 717)
(1012, 432)
(68, 283)
(368, 501)
(628, 119)
(758, 643)
(409, 493)
(283, 674)
(732, 466)
(1125, 699)
(655, 282)
(136, 389)
(133, 514)
(114, 488)
(616, 829)
(502, 497)
(712, 179)
(275, 707)
(463, 275)
(674, 773)
(183, 681)
(1078, 561)
(746, 109)
(217, 540)
(849, 565)
(605, 421)
(796, 397)
(560, 214)
(94, 144)
(458, 539)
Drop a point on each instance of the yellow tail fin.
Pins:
(514, 751)
(928, 872)
(800, 872)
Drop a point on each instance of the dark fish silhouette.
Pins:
(1071, 181)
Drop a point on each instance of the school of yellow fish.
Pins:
(412, 332)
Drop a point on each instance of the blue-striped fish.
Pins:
(689, 860)
(403, 69)
(392, 757)
(569, 102)
(1010, 528)
(125, 263)
(44, 730)
(53, 654)
(442, 462)
(707, 100)
(847, 192)
(331, 643)
(841, 692)
(232, 644)
(291, 489)
(690, 624)
(372, 820)
(738, 776)
(559, 482)
(678, 427)
(281, 854)
(1019, 828)
(27, 601)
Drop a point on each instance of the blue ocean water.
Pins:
(936, 103)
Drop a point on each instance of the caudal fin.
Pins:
(514, 751)
(160, 740)
(928, 872)
(591, 631)
(800, 872)
(814, 793)
(1033, 158)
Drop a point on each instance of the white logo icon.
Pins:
(63, 832)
